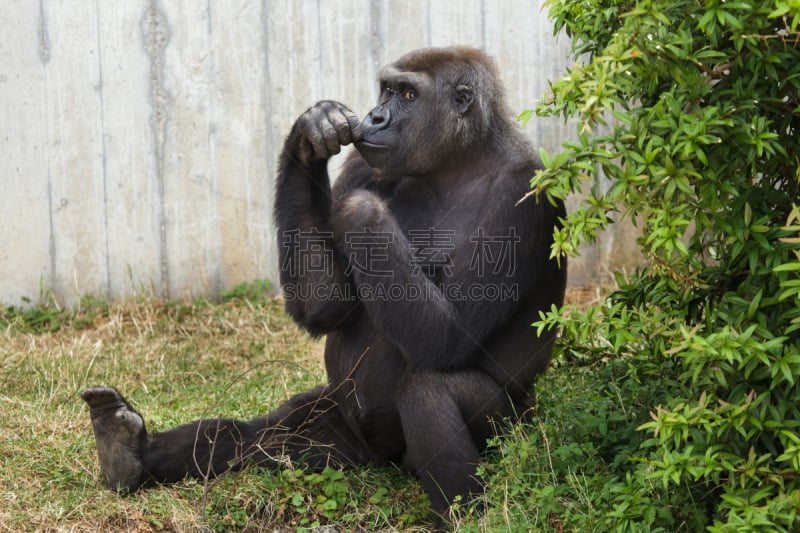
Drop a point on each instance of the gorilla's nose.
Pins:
(377, 119)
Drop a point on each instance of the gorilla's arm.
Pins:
(440, 329)
(318, 294)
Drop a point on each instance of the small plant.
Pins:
(352, 500)
(45, 316)
(257, 292)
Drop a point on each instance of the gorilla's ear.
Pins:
(464, 98)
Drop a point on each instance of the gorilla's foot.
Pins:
(121, 437)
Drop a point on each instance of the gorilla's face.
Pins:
(413, 128)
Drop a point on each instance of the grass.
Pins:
(175, 362)
(178, 362)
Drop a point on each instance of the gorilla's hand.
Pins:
(322, 130)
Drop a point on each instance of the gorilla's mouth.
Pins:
(375, 155)
(367, 144)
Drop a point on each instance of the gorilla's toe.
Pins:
(103, 398)
(121, 436)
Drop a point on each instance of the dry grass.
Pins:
(175, 362)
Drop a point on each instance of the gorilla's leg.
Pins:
(308, 428)
(446, 421)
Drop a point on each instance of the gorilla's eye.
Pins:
(409, 95)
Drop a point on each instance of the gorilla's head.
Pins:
(434, 105)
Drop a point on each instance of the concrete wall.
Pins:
(139, 138)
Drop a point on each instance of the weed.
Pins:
(45, 317)
(257, 292)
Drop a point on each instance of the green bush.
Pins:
(688, 119)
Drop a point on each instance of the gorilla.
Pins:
(422, 269)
